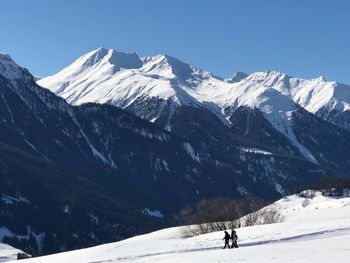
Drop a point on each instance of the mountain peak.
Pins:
(117, 59)
(168, 65)
(321, 79)
(133, 53)
(237, 77)
(170, 60)
(93, 57)
(124, 61)
(9, 68)
(4, 56)
(272, 78)
(268, 74)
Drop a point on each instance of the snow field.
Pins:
(317, 230)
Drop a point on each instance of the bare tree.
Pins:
(219, 214)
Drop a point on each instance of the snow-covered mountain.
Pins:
(159, 88)
(329, 100)
(9, 68)
(96, 77)
(7, 252)
(98, 167)
(315, 228)
(108, 76)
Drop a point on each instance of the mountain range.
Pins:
(159, 88)
(125, 80)
(115, 145)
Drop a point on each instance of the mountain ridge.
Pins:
(194, 81)
(163, 84)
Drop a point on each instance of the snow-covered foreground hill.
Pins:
(317, 230)
(8, 253)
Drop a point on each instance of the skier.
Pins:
(227, 239)
(234, 239)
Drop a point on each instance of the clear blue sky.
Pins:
(305, 38)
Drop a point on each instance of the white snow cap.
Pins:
(311, 94)
(106, 75)
(167, 66)
(112, 57)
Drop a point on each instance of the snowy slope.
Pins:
(311, 94)
(8, 253)
(316, 230)
(277, 108)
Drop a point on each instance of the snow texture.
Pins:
(316, 232)
(312, 94)
(8, 253)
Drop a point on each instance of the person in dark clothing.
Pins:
(234, 239)
(227, 240)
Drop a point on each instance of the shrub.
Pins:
(242, 212)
